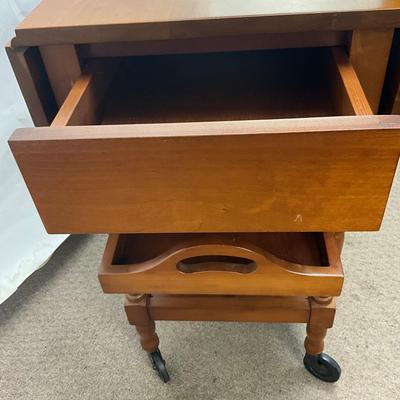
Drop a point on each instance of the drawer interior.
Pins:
(299, 248)
(220, 86)
(227, 86)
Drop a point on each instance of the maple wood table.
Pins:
(224, 146)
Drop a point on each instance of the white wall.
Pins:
(24, 244)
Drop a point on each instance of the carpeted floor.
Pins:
(61, 338)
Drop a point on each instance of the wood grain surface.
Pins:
(215, 44)
(88, 21)
(62, 67)
(312, 174)
(369, 54)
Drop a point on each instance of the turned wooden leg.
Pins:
(137, 311)
(322, 366)
(148, 336)
(322, 313)
(138, 315)
(314, 342)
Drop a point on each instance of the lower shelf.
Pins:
(219, 308)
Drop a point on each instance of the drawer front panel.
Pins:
(313, 174)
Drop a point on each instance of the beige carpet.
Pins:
(61, 338)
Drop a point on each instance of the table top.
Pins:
(91, 21)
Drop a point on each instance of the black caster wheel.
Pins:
(323, 367)
(158, 364)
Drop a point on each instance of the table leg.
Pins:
(319, 364)
(137, 311)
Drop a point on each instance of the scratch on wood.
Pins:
(299, 218)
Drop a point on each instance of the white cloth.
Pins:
(24, 243)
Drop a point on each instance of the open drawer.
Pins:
(272, 140)
(303, 264)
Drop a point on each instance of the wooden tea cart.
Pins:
(224, 146)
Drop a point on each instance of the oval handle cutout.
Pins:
(217, 263)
